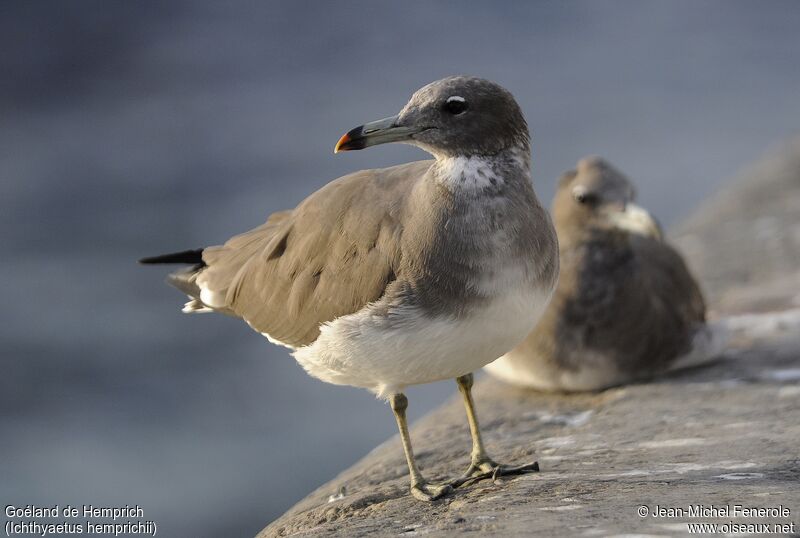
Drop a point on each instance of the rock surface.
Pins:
(721, 435)
(744, 244)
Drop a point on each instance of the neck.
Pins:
(483, 172)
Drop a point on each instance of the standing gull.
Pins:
(626, 306)
(405, 275)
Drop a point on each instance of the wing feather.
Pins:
(334, 253)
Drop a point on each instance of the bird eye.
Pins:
(455, 105)
(583, 196)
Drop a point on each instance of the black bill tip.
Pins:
(351, 140)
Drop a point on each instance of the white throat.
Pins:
(479, 172)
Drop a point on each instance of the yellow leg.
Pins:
(420, 488)
(481, 465)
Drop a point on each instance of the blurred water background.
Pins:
(135, 128)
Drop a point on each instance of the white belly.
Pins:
(385, 354)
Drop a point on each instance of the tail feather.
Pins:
(195, 306)
(184, 279)
(191, 257)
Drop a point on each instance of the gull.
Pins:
(626, 306)
(412, 274)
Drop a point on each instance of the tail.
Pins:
(184, 279)
(719, 336)
(191, 257)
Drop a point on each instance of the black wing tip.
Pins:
(190, 257)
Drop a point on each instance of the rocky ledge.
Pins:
(718, 436)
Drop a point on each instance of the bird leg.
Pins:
(420, 488)
(482, 466)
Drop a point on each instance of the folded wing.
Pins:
(320, 261)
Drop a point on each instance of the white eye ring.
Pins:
(456, 99)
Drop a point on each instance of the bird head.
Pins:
(454, 116)
(595, 195)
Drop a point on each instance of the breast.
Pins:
(478, 269)
(512, 310)
(480, 248)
